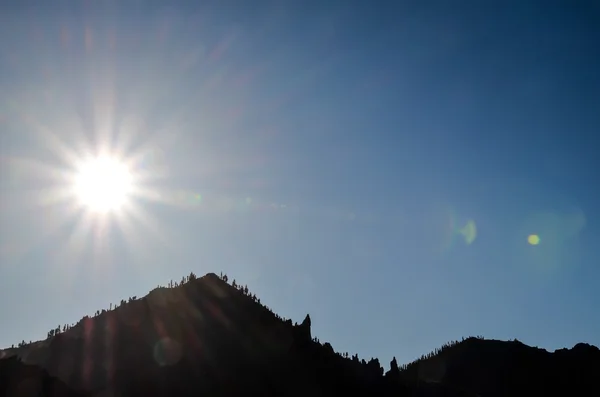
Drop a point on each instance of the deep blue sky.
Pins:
(326, 154)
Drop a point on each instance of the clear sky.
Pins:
(336, 157)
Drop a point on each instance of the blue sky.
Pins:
(327, 156)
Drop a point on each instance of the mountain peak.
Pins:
(210, 336)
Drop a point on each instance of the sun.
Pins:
(103, 184)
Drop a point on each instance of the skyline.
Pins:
(380, 169)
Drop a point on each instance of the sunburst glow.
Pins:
(103, 184)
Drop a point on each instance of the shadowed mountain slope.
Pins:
(21, 380)
(203, 336)
(499, 368)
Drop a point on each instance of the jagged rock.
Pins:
(394, 371)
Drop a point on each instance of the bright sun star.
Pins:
(103, 184)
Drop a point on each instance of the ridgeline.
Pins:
(208, 337)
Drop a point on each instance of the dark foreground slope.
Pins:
(203, 337)
(22, 380)
(206, 337)
(499, 368)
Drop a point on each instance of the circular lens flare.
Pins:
(103, 184)
(469, 232)
(533, 239)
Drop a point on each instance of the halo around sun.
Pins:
(103, 184)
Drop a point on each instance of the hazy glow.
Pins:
(469, 231)
(533, 239)
(103, 184)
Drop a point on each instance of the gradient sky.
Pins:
(326, 154)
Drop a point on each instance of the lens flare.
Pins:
(533, 239)
(469, 232)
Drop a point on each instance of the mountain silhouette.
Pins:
(21, 380)
(206, 337)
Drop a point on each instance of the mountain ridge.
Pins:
(214, 338)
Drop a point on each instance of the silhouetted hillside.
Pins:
(22, 380)
(499, 368)
(204, 336)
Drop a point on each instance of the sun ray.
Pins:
(62, 151)
(23, 167)
(140, 229)
(75, 247)
(102, 253)
(149, 225)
